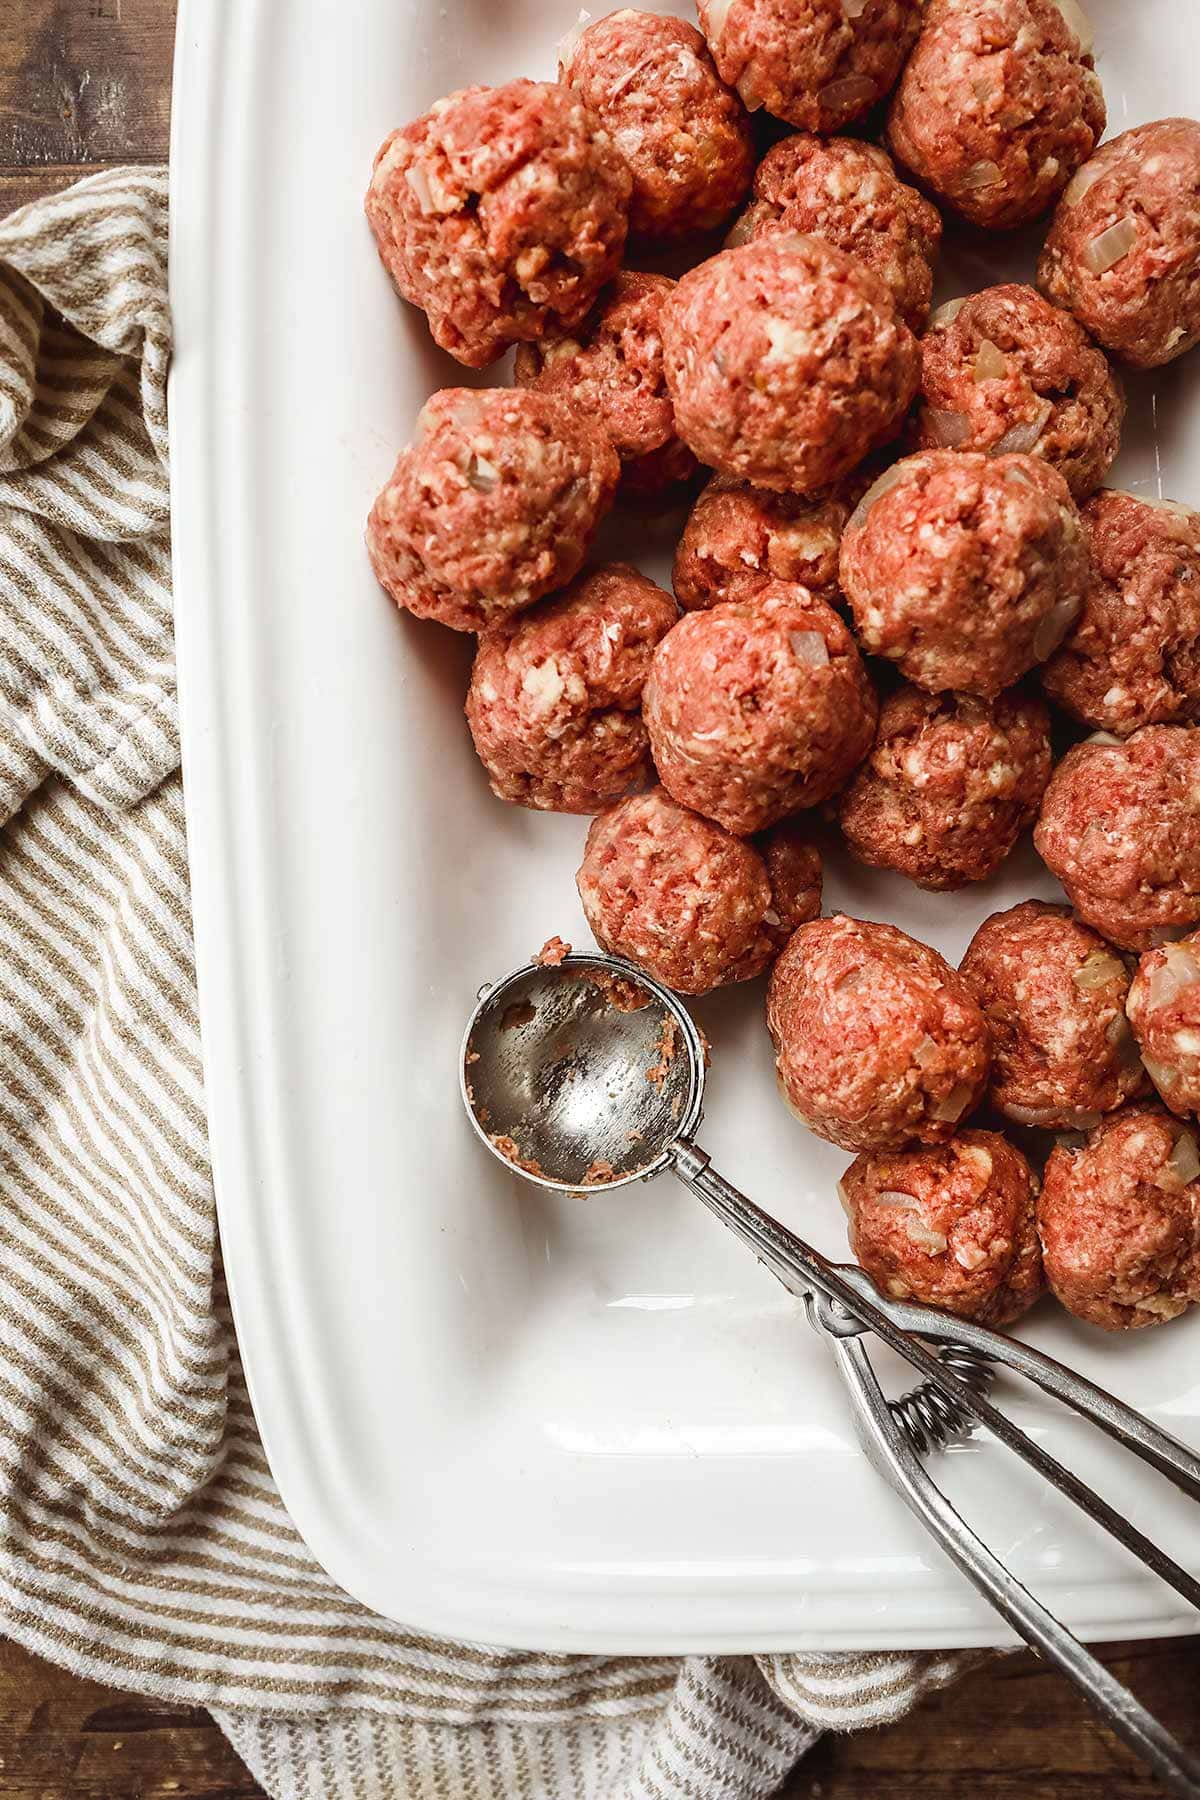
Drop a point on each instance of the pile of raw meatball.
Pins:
(903, 558)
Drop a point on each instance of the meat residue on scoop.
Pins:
(552, 953)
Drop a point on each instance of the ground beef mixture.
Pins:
(492, 505)
(964, 569)
(816, 63)
(878, 1041)
(685, 136)
(758, 708)
(949, 787)
(998, 106)
(849, 194)
(611, 369)
(1054, 995)
(1132, 657)
(794, 871)
(1120, 827)
(953, 1226)
(1123, 252)
(1120, 1221)
(1006, 371)
(555, 700)
(787, 362)
(1164, 1010)
(738, 538)
(499, 212)
(676, 895)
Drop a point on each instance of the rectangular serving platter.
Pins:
(495, 1413)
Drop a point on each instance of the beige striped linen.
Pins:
(142, 1540)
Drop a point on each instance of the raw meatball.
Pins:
(849, 194)
(1054, 995)
(685, 135)
(1120, 1221)
(492, 505)
(555, 701)
(964, 569)
(1004, 370)
(794, 870)
(998, 105)
(1164, 1010)
(758, 708)
(878, 1041)
(1120, 827)
(816, 63)
(498, 212)
(1124, 249)
(738, 538)
(949, 787)
(676, 895)
(1133, 656)
(611, 370)
(787, 362)
(954, 1227)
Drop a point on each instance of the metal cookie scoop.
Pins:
(588, 1074)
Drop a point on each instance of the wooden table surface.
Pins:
(85, 83)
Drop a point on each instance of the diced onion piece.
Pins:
(1040, 1117)
(1161, 1074)
(1097, 970)
(1020, 439)
(418, 180)
(953, 1105)
(1111, 246)
(984, 174)
(809, 647)
(844, 1196)
(1054, 627)
(1161, 1306)
(1082, 182)
(1185, 1158)
(569, 41)
(482, 474)
(946, 313)
(1120, 1036)
(893, 1197)
(749, 95)
(715, 15)
(1179, 970)
(853, 91)
(742, 229)
(936, 1242)
(854, 9)
(926, 1052)
(948, 429)
(1078, 22)
(1102, 737)
(991, 364)
(884, 485)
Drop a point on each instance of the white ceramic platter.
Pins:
(493, 1412)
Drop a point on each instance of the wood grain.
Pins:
(84, 84)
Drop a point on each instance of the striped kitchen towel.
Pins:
(142, 1540)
